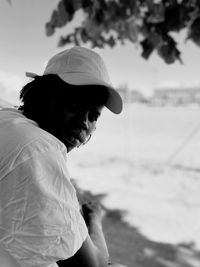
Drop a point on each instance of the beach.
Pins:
(145, 164)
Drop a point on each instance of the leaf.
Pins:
(99, 16)
(49, 29)
(84, 35)
(132, 29)
(62, 15)
(111, 41)
(176, 17)
(50, 26)
(147, 47)
(194, 31)
(87, 5)
(157, 13)
(155, 38)
(108, 22)
(151, 42)
(66, 10)
(168, 51)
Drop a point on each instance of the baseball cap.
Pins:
(82, 66)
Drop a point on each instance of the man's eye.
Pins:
(93, 116)
(73, 106)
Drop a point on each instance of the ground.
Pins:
(129, 247)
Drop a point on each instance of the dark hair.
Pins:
(35, 94)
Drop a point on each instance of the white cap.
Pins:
(82, 66)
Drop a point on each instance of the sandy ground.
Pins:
(128, 246)
(146, 162)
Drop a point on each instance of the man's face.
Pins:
(72, 117)
(77, 123)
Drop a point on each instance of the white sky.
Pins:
(25, 47)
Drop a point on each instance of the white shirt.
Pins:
(40, 221)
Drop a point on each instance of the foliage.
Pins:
(147, 23)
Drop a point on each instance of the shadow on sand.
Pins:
(128, 246)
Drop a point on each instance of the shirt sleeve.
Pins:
(41, 220)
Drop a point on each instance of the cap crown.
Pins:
(82, 66)
(79, 60)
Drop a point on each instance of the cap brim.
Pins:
(114, 102)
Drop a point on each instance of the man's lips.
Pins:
(74, 137)
(81, 136)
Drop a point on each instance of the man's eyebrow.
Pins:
(96, 112)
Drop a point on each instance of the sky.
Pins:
(25, 47)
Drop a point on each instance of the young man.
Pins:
(41, 221)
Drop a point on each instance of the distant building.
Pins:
(131, 96)
(176, 96)
(137, 96)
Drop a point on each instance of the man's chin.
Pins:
(70, 142)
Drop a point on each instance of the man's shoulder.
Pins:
(23, 136)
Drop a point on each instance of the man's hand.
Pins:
(92, 213)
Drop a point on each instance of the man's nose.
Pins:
(85, 125)
(85, 121)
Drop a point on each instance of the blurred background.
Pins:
(144, 161)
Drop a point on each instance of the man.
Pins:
(41, 221)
